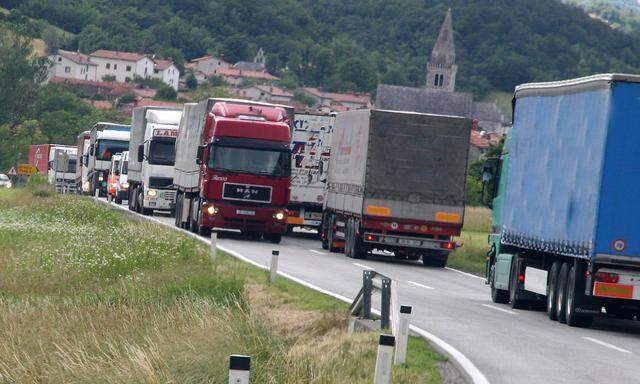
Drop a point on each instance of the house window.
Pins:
(115, 66)
(59, 58)
(128, 68)
(155, 71)
(67, 69)
(441, 81)
(435, 80)
(108, 65)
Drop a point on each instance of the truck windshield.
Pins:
(250, 160)
(72, 165)
(125, 168)
(107, 148)
(162, 152)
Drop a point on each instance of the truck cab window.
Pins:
(162, 152)
(105, 149)
(250, 160)
(125, 168)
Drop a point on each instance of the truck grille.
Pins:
(160, 182)
(170, 195)
(247, 192)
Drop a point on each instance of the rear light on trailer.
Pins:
(448, 245)
(368, 237)
(608, 277)
(520, 278)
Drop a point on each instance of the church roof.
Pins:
(444, 50)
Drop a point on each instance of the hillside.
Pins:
(619, 14)
(354, 45)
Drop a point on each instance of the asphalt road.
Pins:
(507, 346)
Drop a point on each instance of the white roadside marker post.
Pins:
(273, 268)
(403, 334)
(97, 193)
(384, 360)
(239, 369)
(214, 241)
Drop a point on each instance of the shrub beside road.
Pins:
(471, 256)
(89, 295)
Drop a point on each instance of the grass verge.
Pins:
(88, 296)
(471, 256)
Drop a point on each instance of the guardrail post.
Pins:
(367, 288)
(239, 369)
(403, 334)
(214, 241)
(385, 305)
(384, 360)
(273, 268)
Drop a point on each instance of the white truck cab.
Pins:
(62, 169)
(151, 159)
(107, 139)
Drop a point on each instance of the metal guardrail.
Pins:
(361, 306)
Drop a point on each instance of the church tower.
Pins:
(442, 68)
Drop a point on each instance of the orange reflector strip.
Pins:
(447, 217)
(613, 290)
(378, 210)
(295, 220)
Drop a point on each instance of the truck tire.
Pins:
(331, 235)
(204, 231)
(499, 296)
(561, 300)
(118, 201)
(131, 200)
(575, 292)
(435, 259)
(552, 290)
(178, 210)
(274, 238)
(143, 210)
(514, 297)
(193, 218)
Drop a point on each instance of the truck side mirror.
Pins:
(200, 154)
(92, 149)
(140, 153)
(489, 176)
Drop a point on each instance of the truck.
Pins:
(82, 144)
(565, 202)
(106, 139)
(122, 184)
(114, 176)
(41, 156)
(233, 168)
(396, 183)
(310, 151)
(151, 159)
(62, 172)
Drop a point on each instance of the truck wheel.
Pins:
(331, 235)
(289, 230)
(118, 201)
(561, 300)
(193, 217)
(499, 296)
(274, 238)
(575, 290)
(204, 231)
(359, 252)
(178, 210)
(552, 290)
(514, 297)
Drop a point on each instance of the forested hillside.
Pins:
(353, 44)
(620, 14)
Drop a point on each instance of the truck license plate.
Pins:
(244, 212)
(313, 215)
(409, 242)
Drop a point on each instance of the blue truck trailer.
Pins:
(566, 200)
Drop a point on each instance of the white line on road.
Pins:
(465, 273)
(318, 252)
(500, 309)
(477, 377)
(362, 266)
(419, 285)
(591, 339)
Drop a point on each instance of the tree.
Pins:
(236, 48)
(166, 93)
(108, 78)
(358, 74)
(52, 41)
(303, 98)
(191, 81)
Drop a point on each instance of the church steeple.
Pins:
(442, 68)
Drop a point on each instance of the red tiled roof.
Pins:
(118, 55)
(99, 104)
(161, 65)
(363, 98)
(478, 141)
(76, 57)
(206, 58)
(233, 72)
(148, 92)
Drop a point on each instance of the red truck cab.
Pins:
(244, 161)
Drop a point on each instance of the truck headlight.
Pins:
(100, 178)
(8, 185)
(152, 192)
(279, 216)
(211, 210)
(125, 185)
(85, 186)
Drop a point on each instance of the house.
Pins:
(108, 90)
(72, 65)
(236, 77)
(207, 64)
(342, 101)
(265, 92)
(166, 71)
(259, 63)
(123, 66)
